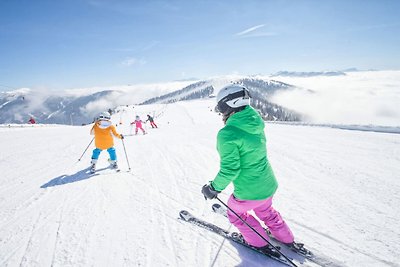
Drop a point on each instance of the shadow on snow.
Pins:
(76, 177)
(253, 258)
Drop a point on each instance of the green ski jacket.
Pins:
(241, 145)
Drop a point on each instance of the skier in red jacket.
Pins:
(32, 120)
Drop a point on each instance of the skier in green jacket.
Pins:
(241, 145)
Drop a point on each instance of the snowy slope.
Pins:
(338, 191)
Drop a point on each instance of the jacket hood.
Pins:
(247, 120)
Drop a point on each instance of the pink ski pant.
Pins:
(265, 212)
(137, 129)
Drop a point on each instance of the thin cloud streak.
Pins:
(252, 29)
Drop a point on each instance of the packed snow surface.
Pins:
(338, 191)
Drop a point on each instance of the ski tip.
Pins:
(183, 212)
(216, 206)
(185, 215)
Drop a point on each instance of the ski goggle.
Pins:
(102, 117)
(223, 107)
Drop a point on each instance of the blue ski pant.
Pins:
(111, 151)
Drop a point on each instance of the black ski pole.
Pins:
(126, 154)
(255, 231)
(85, 149)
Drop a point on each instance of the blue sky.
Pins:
(59, 44)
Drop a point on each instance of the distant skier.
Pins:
(32, 120)
(152, 124)
(241, 144)
(138, 123)
(103, 132)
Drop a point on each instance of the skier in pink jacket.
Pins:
(138, 123)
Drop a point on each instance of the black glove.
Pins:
(122, 137)
(209, 192)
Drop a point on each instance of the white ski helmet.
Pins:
(231, 98)
(104, 116)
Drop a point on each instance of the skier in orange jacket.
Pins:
(103, 132)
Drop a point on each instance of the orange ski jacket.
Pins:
(103, 138)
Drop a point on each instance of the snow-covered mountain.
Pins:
(58, 109)
(338, 191)
(53, 109)
(76, 106)
(366, 98)
(261, 91)
(76, 109)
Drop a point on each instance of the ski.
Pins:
(295, 247)
(298, 248)
(235, 237)
(98, 171)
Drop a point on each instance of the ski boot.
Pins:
(93, 166)
(113, 164)
(269, 250)
(300, 249)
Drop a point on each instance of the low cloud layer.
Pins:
(19, 105)
(363, 98)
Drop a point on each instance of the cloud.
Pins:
(30, 102)
(114, 99)
(362, 98)
(252, 29)
(130, 61)
(36, 101)
(253, 32)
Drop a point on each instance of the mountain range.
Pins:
(61, 108)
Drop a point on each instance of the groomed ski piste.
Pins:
(338, 191)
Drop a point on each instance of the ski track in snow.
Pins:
(338, 192)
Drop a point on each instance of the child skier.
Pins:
(32, 120)
(103, 132)
(150, 118)
(241, 144)
(138, 123)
